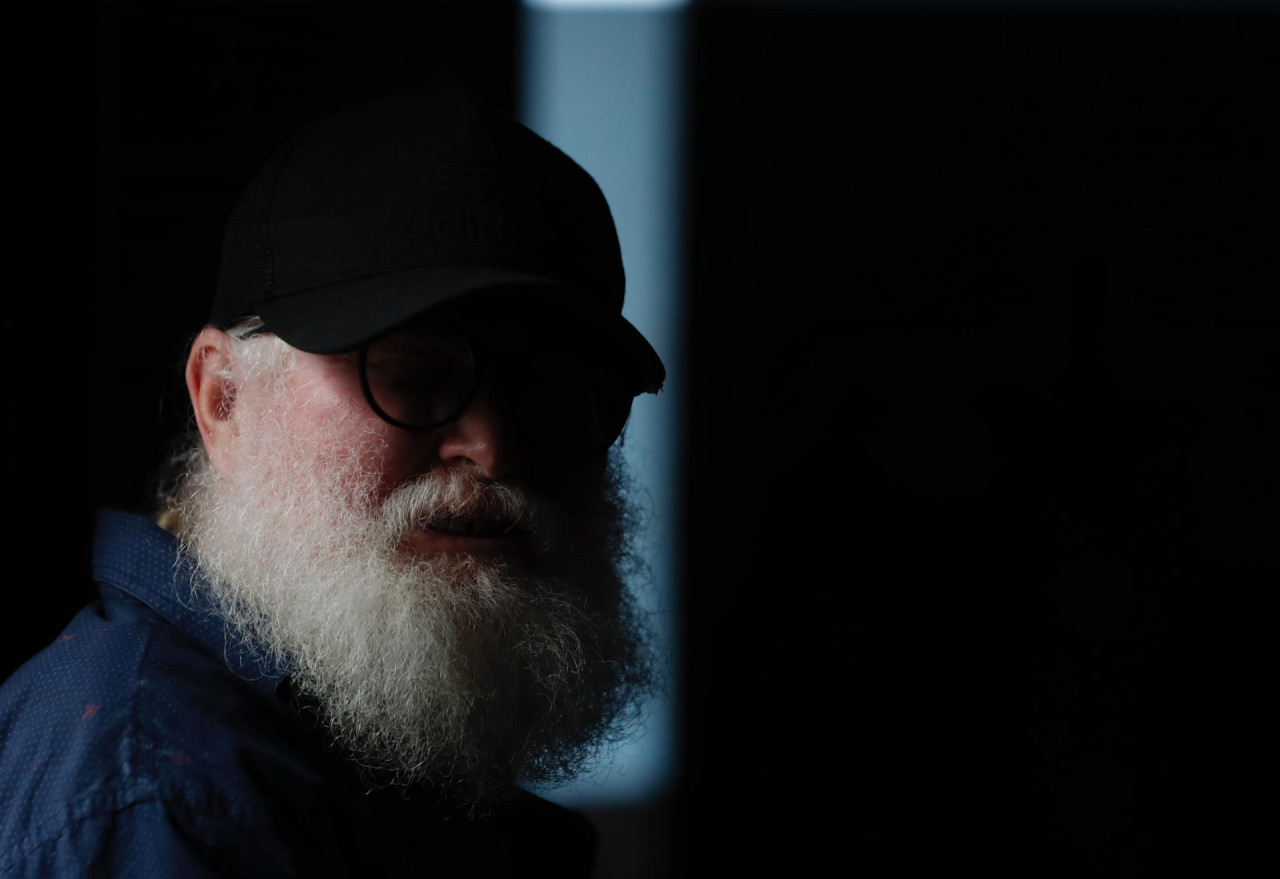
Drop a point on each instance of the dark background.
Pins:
(981, 429)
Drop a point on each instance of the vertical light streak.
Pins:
(606, 85)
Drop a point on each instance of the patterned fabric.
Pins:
(145, 741)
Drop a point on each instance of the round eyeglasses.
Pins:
(565, 407)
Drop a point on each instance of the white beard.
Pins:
(466, 673)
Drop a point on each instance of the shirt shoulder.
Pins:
(124, 719)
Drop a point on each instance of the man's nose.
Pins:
(481, 438)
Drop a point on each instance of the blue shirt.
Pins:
(144, 741)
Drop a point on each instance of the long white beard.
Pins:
(453, 670)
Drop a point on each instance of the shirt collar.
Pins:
(137, 556)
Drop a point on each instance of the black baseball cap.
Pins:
(377, 212)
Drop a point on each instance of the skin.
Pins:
(325, 386)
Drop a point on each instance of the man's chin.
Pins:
(508, 693)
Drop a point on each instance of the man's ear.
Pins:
(213, 395)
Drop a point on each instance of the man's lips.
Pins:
(460, 534)
(469, 526)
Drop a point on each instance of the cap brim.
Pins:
(346, 315)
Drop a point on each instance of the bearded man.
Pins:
(385, 589)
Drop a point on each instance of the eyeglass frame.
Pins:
(362, 354)
(477, 369)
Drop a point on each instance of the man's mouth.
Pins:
(471, 526)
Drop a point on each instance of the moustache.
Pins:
(453, 500)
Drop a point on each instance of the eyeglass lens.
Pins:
(419, 381)
(562, 406)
